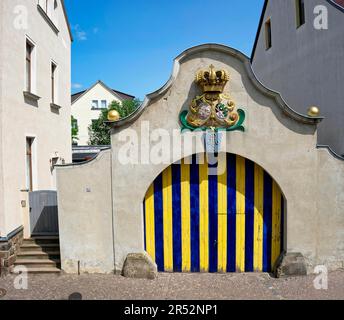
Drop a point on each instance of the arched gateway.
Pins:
(198, 219)
(194, 220)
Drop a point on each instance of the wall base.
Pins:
(8, 252)
(291, 264)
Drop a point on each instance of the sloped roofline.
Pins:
(105, 86)
(261, 20)
(230, 51)
(336, 5)
(67, 20)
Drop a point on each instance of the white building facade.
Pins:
(35, 108)
(87, 106)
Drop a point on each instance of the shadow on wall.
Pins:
(46, 222)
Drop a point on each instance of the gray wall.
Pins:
(85, 216)
(306, 65)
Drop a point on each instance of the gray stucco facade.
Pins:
(101, 202)
(305, 64)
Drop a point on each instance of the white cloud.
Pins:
(80, 34)
(77, 85)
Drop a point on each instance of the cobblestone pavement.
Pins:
(174, 286)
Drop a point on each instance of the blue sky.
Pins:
(130, 45)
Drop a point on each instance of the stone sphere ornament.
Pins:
(113, 115)
(313, 111)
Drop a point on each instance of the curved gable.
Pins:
(239, 62)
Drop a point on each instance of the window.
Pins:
(300, 13)
(104, 104)
(55, 15)
(47, 7)
(268, 40)
(29, 165)
(29, 50)
(50, 8)
(53, 82)
(95, 104)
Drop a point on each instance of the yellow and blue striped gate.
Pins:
(200, 222)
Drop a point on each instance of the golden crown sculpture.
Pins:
(213, 109)
(212, 80)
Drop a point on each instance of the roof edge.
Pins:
(335, 5)
(79, 164)
(233, 52)
(67, 20)
(258, 30)
(332, 3)
(112, 91)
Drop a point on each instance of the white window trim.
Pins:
(56, 86)
(34, 162)
(52, 13)
(33, 65)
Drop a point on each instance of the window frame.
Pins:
(53, 82)
(30, 162)
(300, 13)
(96, 107)
(101, 104)
(49, 11)
(268, 34)
(28, 65)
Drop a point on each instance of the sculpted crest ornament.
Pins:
(213, 109)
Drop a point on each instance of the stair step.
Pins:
(34, 246)
(43, 270)
(41, 240)
(47, 237)
(41, 263)
(38, 254)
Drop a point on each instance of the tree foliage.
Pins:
(99, 132)
(75, 130)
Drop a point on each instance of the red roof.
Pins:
(339, 2)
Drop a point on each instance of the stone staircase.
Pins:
(40, 254)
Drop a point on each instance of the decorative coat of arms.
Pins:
(213, 109)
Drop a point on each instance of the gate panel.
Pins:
(43, 213)
(196, 220)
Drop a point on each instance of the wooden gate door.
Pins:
(43, 213)
(198, 221)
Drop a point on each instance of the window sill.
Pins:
(55, 106)
(47, 19)
(98, 109)
(300, 26)
(31, 96)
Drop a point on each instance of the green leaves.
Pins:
(74, 130)
(99, 132)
